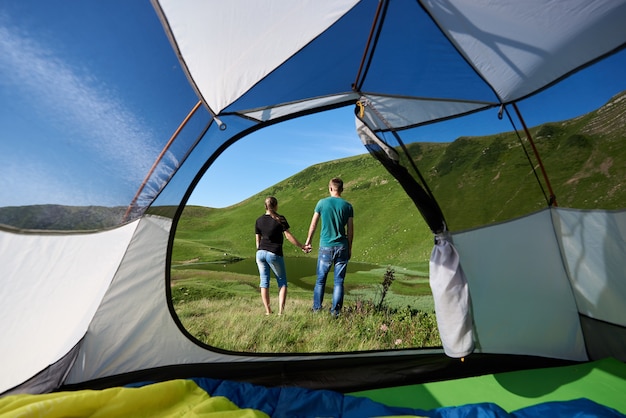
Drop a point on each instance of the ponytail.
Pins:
(270, 205)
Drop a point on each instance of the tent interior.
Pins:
(113, 113)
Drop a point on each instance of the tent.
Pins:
(85, 292)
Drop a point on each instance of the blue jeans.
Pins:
(266, 260)
(327, 258)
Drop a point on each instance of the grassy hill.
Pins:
(476, 180)
(387, 225)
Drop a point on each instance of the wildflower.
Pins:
(398, 341)
(384, 327)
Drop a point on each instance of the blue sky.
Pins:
(84, 106)
(80, 81)
(251, 167)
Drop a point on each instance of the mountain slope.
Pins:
(476, 181)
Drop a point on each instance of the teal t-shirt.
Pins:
(334, 213)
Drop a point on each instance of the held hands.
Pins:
(306, 248)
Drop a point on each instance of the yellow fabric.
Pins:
(175, 398)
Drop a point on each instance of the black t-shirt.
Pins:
(271, 233)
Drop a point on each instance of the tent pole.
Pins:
(552, 201)
(355, 85)
(160, 157)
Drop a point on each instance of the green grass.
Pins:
(242, 326)
(224, 310)
(300, 331)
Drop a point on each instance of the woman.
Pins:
(269, 229)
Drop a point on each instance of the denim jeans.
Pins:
(327, 258)
(266, 260)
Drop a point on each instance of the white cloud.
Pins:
(92, 117)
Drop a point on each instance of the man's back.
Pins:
(334, 214)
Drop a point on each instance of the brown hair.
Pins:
(271, 203)
(337, 184)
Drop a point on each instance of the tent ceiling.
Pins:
(453, 56)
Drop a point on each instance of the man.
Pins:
(335, 248)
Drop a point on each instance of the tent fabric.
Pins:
(593, 248)
(145, 335)
(69, 270)
(602, 339)
(579, 256)
(48, 379)
(526, 278)
(253, 50)
(508, 42)
(487, 53)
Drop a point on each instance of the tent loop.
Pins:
(159, 158)
(500, 111)
(361, 107)
(552, 198)
(220, 124)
